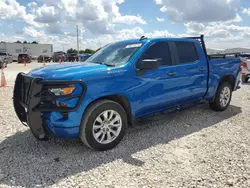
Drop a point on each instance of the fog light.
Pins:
(61, 104)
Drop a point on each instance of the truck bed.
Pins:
(219, 68)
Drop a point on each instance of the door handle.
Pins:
(171, 73)
(203, 69)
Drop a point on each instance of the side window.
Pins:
(187, 52)
(159, 51)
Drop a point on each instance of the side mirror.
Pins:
(147, 64)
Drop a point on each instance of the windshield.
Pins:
(115, 54)
(2, 53)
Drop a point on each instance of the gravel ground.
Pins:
(195, 147)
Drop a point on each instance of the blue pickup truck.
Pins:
(124, 81)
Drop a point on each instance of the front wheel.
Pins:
(222, 97)
(103, 125)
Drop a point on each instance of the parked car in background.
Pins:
(71, 57)
(34, 58)
(3, 62)
(59, 56)
(45, 58)
(124, 81)
(245, 68)
(7, 56)
(24, 58)
(84, 57)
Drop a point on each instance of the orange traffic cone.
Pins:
(3, 80)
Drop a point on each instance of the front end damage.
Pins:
(32, 100)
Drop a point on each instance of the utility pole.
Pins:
(77, 39)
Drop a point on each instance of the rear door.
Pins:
(190, 70)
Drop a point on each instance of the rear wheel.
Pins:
(103, 125)
(222, 97)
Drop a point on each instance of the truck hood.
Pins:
(66, 71)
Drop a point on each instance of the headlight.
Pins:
(63, 91)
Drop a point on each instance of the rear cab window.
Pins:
(187, 52)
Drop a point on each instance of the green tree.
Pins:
(18, 41)
(34, 42)
(25, 42)
(89, 51)
(81, 52)
(72, 51)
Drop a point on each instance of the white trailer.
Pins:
(34, 50)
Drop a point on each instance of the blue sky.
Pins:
(225, 23)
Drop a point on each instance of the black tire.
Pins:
(244, 79)
(92, 112)
(215, 104)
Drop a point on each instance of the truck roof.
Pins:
(145, 40)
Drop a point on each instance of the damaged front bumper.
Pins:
(32, 99)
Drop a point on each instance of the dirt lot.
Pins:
(192, 148)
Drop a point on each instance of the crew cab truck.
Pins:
(98, 99)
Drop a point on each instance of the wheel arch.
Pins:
(120, 99)
(228, 78)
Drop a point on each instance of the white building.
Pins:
(34, 50)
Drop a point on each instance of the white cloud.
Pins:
(128, 19)
(54, 28)
(216, 30)
(221, 35)
(32, 32)
(12, 10)
(98, 16)
(160, 19)
(32, 4)
(124, 34)
(246, 11)
(163, 9)
(158, 2)
(194, 27)
(13, 38)
(46, 14)
(157, 33)
(200, 11)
